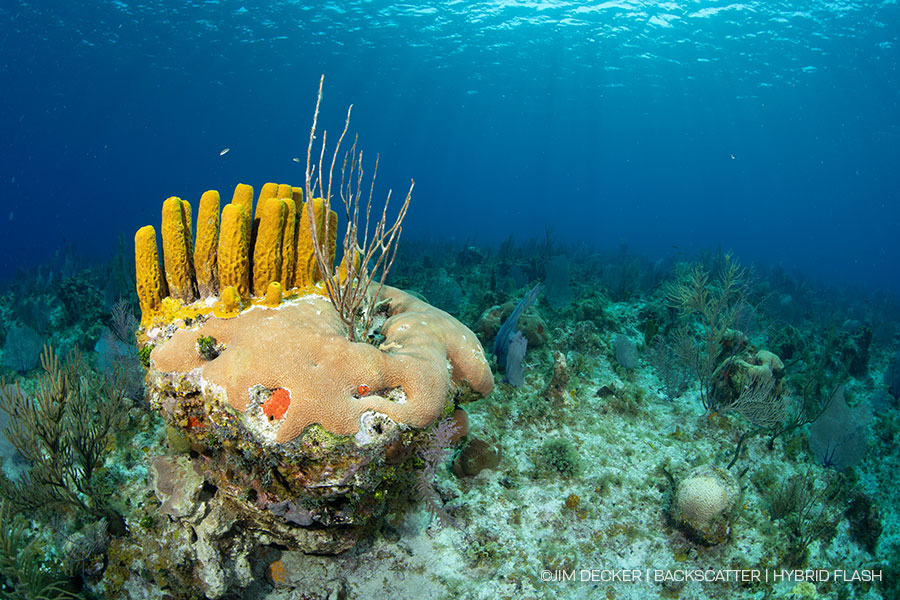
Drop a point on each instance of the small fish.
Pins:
(296, 160)
(11, 215)
(224, 151)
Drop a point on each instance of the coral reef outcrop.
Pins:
(298, 432)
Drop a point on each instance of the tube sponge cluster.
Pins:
(236, 256)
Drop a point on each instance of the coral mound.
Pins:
(304, 435)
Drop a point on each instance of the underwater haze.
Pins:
(768, 128)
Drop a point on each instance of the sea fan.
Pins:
(437, 448)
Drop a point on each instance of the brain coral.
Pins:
(301, 346)
(701, 499)
(704, 502)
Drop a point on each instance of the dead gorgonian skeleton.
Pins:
(364, 259)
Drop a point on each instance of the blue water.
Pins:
(770, 128)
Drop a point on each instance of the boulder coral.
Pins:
(301, 347)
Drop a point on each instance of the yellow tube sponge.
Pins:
(243, 195)
(269, 190)
(306, 259)
(229, 301)
(188, 227)
(284, 191)
(151, 287)
(234, 250)
(342, 269)
(177, 259)
(269, 237)
(207, 244)
(273, 294)
(288, 245)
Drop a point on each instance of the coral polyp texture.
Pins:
(305, 433)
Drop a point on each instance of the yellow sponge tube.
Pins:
(289, 245)
(229, 301)
(151, 288)
(267, 250)
(205, 249)
(243, 195)
(177, 259)
(342, 269)
(306, 260)
(273, 294)
(269, 190)
(234, 250)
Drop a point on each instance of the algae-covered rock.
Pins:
(177, 483)
(475, 456)
(331, 479)
(531, 325)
